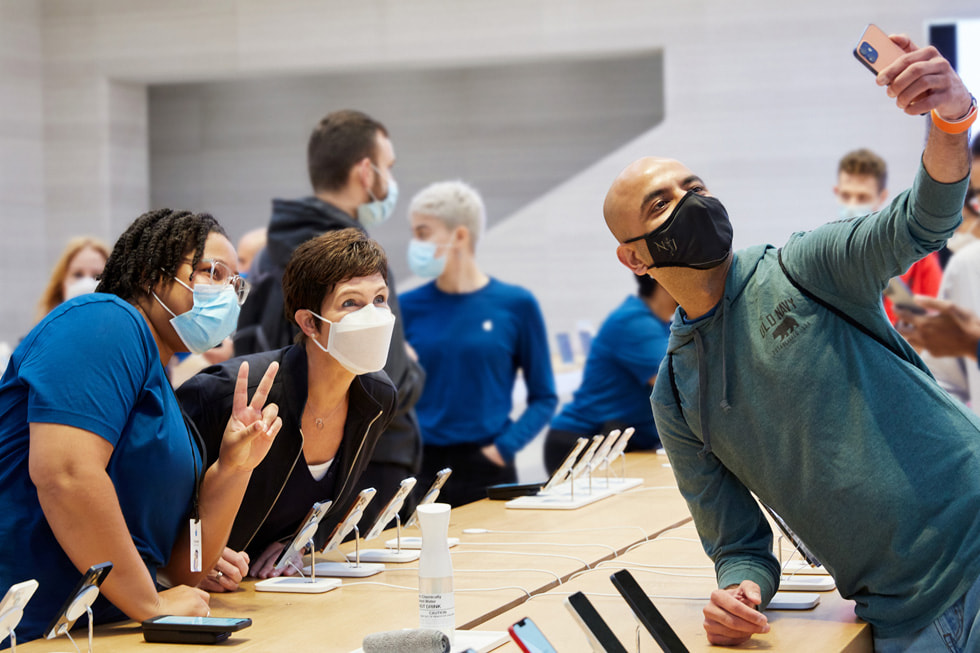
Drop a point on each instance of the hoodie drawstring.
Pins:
(703, 385)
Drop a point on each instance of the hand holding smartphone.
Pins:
(902, 296)
(875, 50)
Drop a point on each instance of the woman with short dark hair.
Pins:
(334, 400)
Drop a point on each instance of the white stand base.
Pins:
(793, 601)
(297, 585)
(345, 569)
(387, 555)
(562, 497)
(613, 483)
(809, 583)
(481, 641)
(415, 543)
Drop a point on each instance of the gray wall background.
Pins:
(759, 97)
(513, 130)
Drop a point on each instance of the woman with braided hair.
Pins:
(96, 461)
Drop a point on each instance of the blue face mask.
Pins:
(377, 211)
(213, 317)
(422, 259)
(850, 211)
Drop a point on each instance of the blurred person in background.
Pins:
(861, 189)
(619, 374)
(473, 333)
(249, 246)
(349, 160)
(75, 273)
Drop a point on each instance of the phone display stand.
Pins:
(393, 554)
(575, 493)
(304, 584)
(81, 604)
(802, 567)
(352, 569)
(9, 621)
(414, 543)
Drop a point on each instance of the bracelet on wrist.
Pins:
(956, 126)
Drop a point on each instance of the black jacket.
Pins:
(262, 324)
(207, 400)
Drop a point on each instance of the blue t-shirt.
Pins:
(92, 363)
(471, 346)
(625, 355)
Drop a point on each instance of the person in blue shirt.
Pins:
(472, 334)
(619, 374)
(96, 462)
(785, 383)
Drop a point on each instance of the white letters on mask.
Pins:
(359, 341)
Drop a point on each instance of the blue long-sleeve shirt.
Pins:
(471, 346)
(874, 466)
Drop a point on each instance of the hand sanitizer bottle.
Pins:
(437, 609)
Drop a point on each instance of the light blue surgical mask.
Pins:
(377, 211)
(850, 211)
(213, 317)
(422, 259)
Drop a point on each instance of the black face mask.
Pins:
(697, 234)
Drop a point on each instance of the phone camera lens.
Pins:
(869, 52)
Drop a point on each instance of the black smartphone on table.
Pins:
(192, 630)
(599, 633)
(647, 612)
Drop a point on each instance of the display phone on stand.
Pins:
(566, 465)
(12, 608)
(600, 635)
(192, 630)
(304, 534)
(350, 520)
(875, 50)
(647, 613)
(583, 463)
(391, 509)
(529, 638)
(82, 596)
(431, 494)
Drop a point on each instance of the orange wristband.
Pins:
(956, 126)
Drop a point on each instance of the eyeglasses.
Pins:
(220, 274)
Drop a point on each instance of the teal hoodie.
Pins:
(839, 428)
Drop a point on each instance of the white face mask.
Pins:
(81, 286)
(359, 341)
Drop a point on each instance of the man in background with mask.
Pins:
(861, 189)
(472, 333)
(784, 380)
(349, 159)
